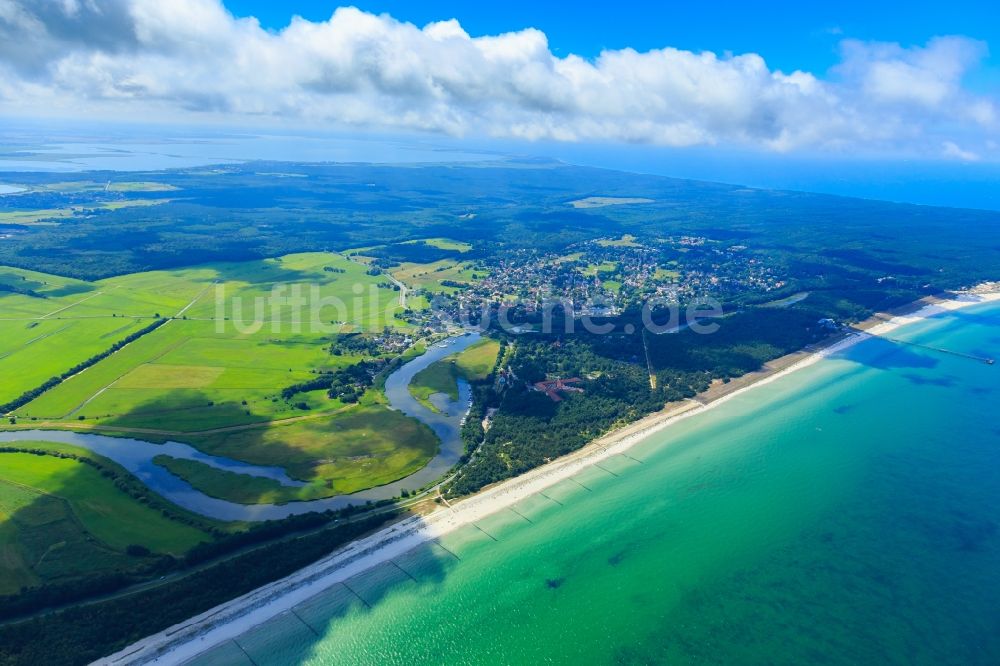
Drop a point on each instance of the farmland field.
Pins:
(213, 373)
(61, 519)
(430, 276)
(211, 354)
(35, 351)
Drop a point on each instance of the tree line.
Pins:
(28, 396)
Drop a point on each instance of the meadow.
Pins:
(211, 365)
(212, 375)
(61, 519)
(434, 277)
(628, 240)
(472, 364)
(363, 446)
(592, 270)
(54, 216)
(447, 244)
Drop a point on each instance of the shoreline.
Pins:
(226, 621)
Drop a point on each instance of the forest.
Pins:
(239, 213)
(530, 428)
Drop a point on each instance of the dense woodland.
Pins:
(530, 428)
(824, 242)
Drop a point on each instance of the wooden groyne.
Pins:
(941, 350)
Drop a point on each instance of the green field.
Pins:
(95, 186)
(32, 352)
(627, 240)
(202, 369)
(229, 486)
(666, 274)
(476, 362)
(600, 202)
(593, 270)
(439, 377)
(447, 244)
(61, 519)
(52, 216)
(213, 382)
(613, 286)
(364, 446)
(430, 276)
(473, 364)
(142, 186)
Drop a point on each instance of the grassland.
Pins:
(592, 270)
(438, 377)
(430, 276)
(230, 486)
(600, 202)
(210, 366)
(35, 351)
(364, 446)
(50, 216)
(61, 519)
(476, 362)
(473, 364)
(627, 240)
(447, 244)
(666, 274)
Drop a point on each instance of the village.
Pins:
(601, 278)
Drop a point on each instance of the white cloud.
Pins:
(951, 149)
(132, 57)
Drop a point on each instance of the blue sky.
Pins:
(875, 99)
(790, 35)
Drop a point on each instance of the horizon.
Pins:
(924, 183)
(852, 100)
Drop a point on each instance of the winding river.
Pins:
(137, 455)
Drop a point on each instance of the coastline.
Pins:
(231, 619)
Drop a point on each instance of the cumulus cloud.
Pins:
(128, 57)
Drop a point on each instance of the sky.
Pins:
(689, 89)
(789, 35)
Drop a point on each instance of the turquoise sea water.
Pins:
(845, 514)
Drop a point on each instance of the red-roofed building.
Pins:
(553, 387)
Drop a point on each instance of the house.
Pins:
(554, 387)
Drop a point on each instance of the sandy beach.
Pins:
(184, 641)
